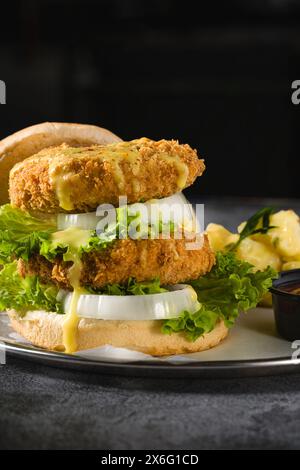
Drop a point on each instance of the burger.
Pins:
(98, 245)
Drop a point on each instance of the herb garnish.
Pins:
(251, 227)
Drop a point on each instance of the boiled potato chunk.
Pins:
(291, 265)
(260, 237)
(219, 237)
(284, 238)
(258, 254)
(286, 234)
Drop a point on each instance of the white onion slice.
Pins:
(86, 221)
(137, 307)
(175, 208)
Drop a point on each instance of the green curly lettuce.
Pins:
(193, 325)
(132, 287)
(231, 287)
(98, 243)
(27, 293)
(22, 234)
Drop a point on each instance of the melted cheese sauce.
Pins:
(63, 187)
(112, 155)
(182, 169)
(75, 238)
(115, 159)
(70, 325)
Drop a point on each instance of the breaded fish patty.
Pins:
(142, 260)
(68, 179)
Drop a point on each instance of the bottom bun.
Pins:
(45, 330)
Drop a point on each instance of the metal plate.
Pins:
(252, 348)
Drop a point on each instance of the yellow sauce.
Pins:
(193, 294)
(182, 169)
(135, 163)
(75, 238)
(70, 325)
(61, 182)
(123, 153)
(136, 187)
(114, 159)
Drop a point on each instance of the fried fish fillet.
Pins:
(143, 260)
(71, 179)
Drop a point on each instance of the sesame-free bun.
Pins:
(27, 142)
(46, 330)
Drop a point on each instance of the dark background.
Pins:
(214, 74)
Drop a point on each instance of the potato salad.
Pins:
(267, 239)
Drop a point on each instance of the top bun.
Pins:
(31, 140)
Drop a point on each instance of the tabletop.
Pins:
(48, 408)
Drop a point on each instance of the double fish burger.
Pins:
(82, 271)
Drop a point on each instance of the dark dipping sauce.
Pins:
(292, 289)
(286, 304)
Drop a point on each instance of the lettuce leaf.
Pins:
(131, 288)
(98, 243)
(20, 245)
(12, 218)
(145, 288)
(193, 325)
(21, 234)
(231, 287)
(50, 250)
(26, 293)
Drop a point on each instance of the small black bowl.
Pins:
(287, 305)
